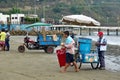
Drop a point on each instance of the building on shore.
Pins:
(17, 18)
(13, 18)
(4, 18)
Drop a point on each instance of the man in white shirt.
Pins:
(101, 46)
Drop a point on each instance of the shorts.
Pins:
(69, 58)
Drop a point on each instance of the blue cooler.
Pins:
(84, 45)
(85, 50)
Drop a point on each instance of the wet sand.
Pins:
(37, 65)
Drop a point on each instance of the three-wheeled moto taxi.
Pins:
(47, 45)
(85, 54)
(43, 41)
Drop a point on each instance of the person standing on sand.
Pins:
(2, 38)
(7, 39)
(101, 47)
(69, 45)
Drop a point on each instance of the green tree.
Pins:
(31, 20)
(14, 10)
(76, 9)
(56, 10)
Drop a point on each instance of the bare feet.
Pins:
(77, 70)
(62, 71)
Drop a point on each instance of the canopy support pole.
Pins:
(80, 31)
(117, 32)
(108, 31)
(89, 31)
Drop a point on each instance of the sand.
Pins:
(37, 65)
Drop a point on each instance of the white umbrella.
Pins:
(81, 20)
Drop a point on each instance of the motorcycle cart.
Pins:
(47, 45)
(46, 42)
(85, 54)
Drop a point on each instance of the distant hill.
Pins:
(105, 11)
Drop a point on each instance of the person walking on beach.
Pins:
(101, 47)
(7, 39)
(69, 45)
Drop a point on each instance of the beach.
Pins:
(38, 65)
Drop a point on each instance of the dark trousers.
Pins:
(7, 45)
(101, 58)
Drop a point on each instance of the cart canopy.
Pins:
(38, 24)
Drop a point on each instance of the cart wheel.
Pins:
(49, 49)
(95, 65)
(78, 59)
(21, 49)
